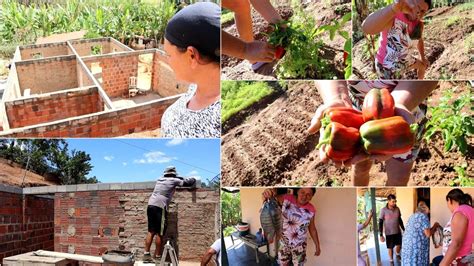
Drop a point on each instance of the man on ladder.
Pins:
(157, 210)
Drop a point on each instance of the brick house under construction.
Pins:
(86, 88)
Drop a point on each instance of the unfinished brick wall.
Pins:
(163, 79)
(83, 47)
(53, 107)
(25, 225)
(47, 75)
(110, 124)
(116, 72)
(45, 50)
(91, 222)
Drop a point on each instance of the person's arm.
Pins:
(252, 51)
(313, 232)
(459, 225)
(383, 18)
(381, 227)
(189, 182)
(268, 12)
(410, 94)
(206, 258)
(400, 222)
(430, 231)
(271, 193)
(421, 47)
(367, 221)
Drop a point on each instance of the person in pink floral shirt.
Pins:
(298, 219)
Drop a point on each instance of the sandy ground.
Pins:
(13, 175)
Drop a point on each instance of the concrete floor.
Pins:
(240, 254)
(120, 102)
(370, 246)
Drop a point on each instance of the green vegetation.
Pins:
(463, 180)
(304, 47)
(453, 119)
(469, 44)
(226, 17)
(466, 6)
(231, 212)
(452, 21)
(49, 156)
(121, 19)
(237, 95)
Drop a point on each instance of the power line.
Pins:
(179, 161)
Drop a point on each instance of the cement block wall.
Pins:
(116, 73)
(46, 50)
(105, 124)
(26, 223)
(91, 222)
(47, 75)
(52, 107)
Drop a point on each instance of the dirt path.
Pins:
(322, 11)
(272, 148)
(12, 174)
(449, 42)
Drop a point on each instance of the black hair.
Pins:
(295, 190)
(459, 196)
(426, 201)
(391, 197)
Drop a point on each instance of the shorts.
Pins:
(157, 220)
(288, 254)
(357, 98)
(398, 72)
(393, 240)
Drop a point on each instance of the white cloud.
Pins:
(174, 142)
(154, 157)
(108, 158)
(193, 173)
(124, 163)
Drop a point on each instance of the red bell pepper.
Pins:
(347, 116)
(342, 142)
(388, 136)
(378, 104)
(279, 52)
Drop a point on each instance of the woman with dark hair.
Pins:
(458, 234)
(298, 215)
(192, 43)
(416, 239)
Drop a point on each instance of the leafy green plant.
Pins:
(237, 95)
(451, 120)
(462, 180)
(231, 212)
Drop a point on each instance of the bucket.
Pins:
(118, 257)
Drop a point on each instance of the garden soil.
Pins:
(272, 148)
(447, 47)
(322, 11)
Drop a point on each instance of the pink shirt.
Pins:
(395, 42)
(468, 212)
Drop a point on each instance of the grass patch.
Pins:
(469, 43)
(451, 21)
(3, 68)
(226, 17)
(465, 6)
(237, 95)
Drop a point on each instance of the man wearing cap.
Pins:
(157, 210)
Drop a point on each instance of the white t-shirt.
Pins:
(217, 247)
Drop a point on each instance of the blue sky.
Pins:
(134, 160)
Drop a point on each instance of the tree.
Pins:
(49, 156)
